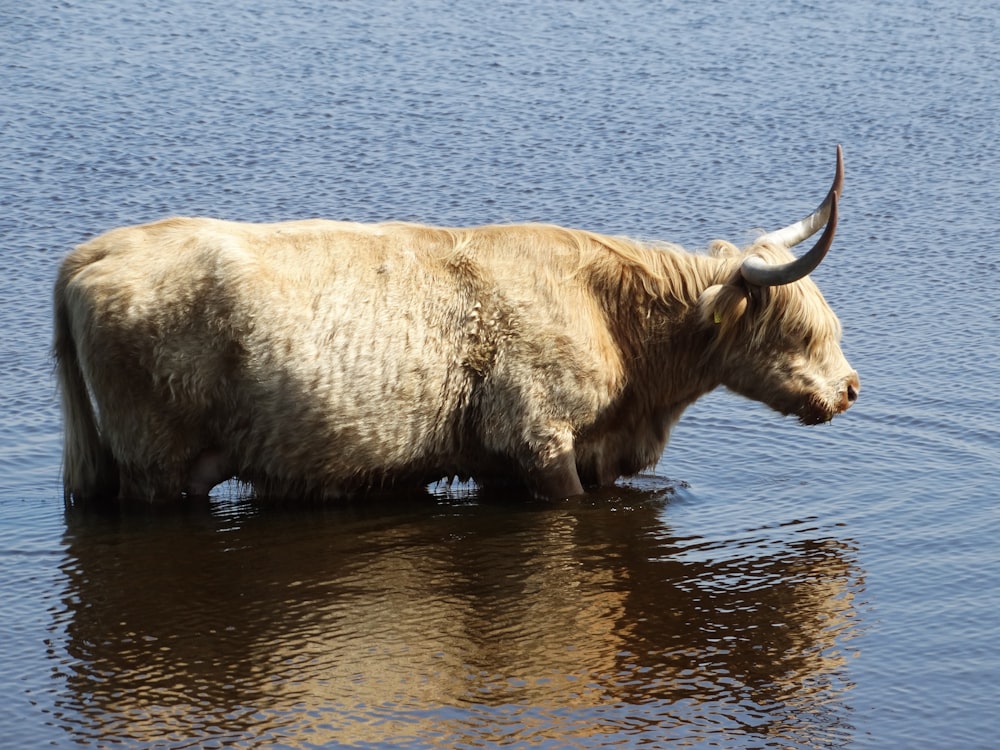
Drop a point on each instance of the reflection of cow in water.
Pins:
(452, 625)
(323, 358)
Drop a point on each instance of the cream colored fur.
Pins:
(324, 358)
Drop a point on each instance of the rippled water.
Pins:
(768, 586)
(458, 623)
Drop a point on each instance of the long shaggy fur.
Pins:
(327, 358)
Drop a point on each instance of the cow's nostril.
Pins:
(852, 393)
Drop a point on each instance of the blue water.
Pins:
(768, 585)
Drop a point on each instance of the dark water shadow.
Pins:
(449, 617)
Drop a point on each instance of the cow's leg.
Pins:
(558, 479)
(128, 489)
(138, 483)
(552, 472)
(210, 468)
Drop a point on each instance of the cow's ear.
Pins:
(722, 304)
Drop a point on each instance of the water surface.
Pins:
(768, 585)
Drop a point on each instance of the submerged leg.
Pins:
(557, 480)
(211, 467)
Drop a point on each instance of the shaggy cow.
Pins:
(325, 358)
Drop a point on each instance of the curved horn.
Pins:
(760, 273)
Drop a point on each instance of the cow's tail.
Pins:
(89, 468)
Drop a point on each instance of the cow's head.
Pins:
(776, 339)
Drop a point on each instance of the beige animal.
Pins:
(323, 358)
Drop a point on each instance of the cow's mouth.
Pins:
(818, 410)
(816, 417)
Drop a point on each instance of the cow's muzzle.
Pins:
(819, 409)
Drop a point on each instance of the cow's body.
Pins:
(326, 358)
